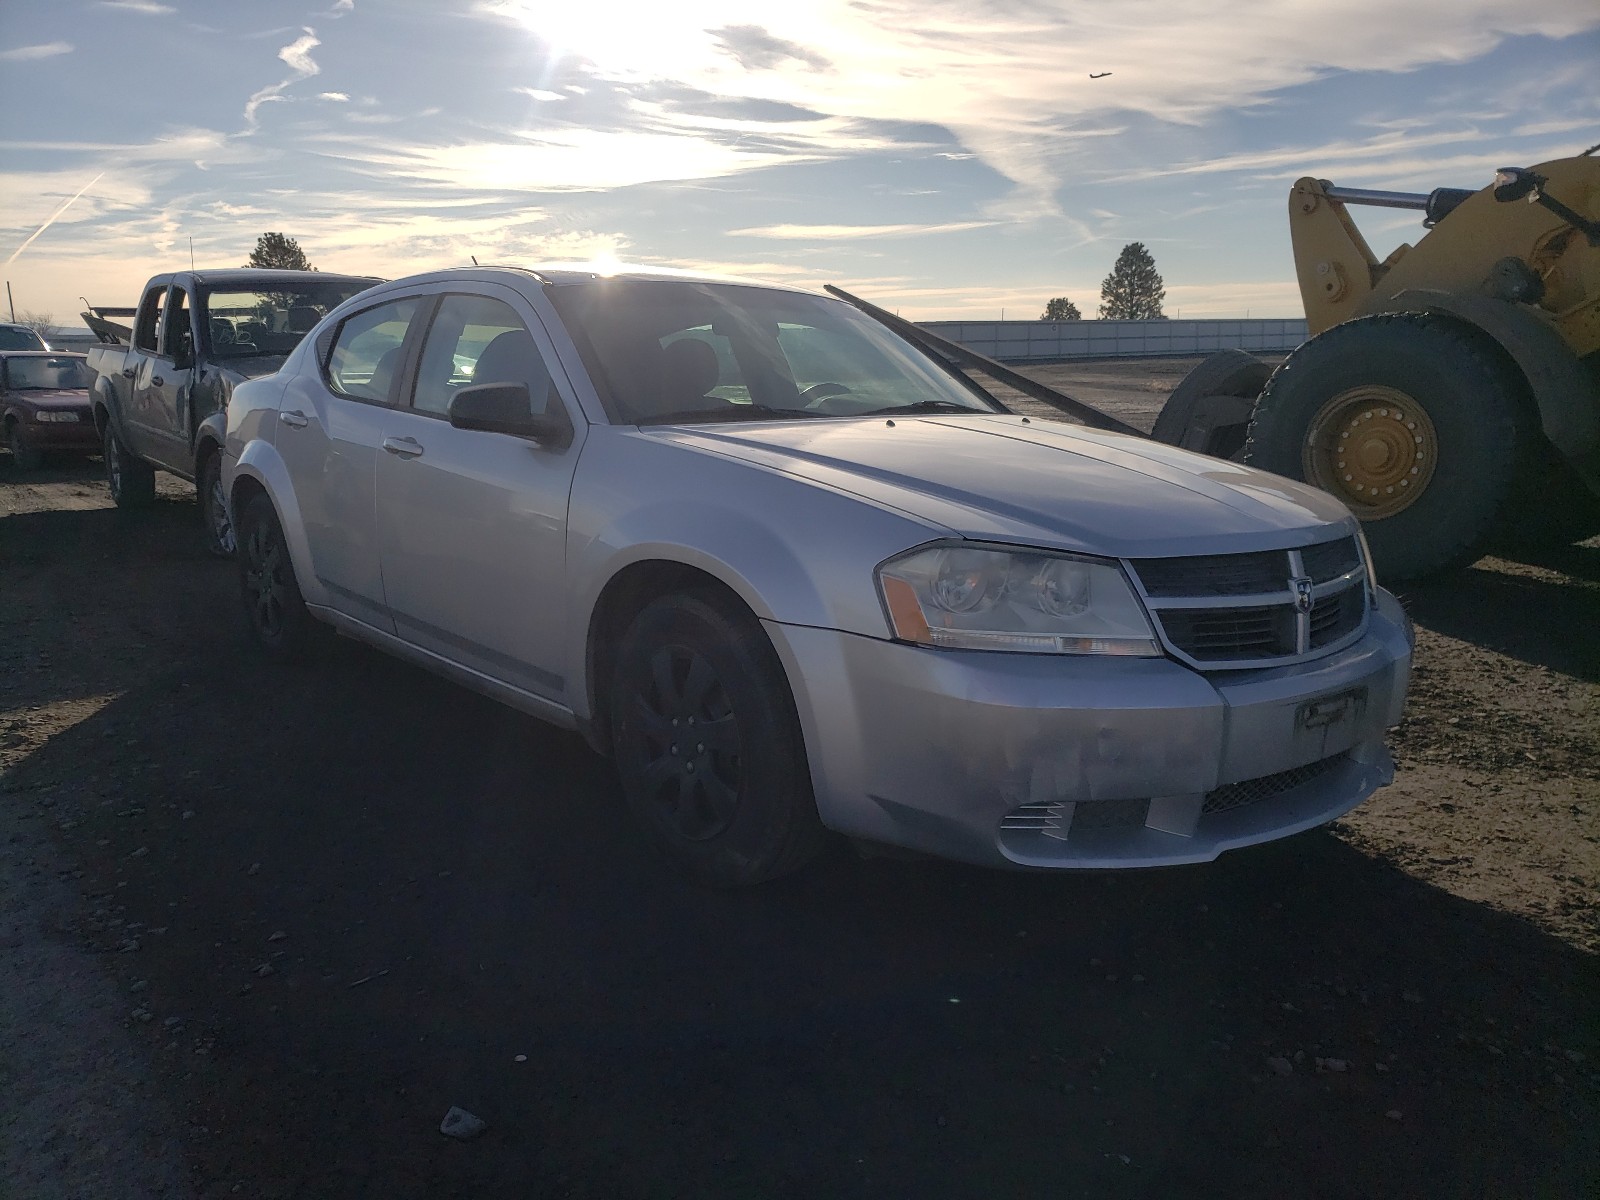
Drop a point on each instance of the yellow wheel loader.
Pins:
(1450, 393)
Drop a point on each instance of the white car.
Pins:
(796, 575)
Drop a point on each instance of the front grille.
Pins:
(1244, 610)
(1109, 814)
(1249, 791)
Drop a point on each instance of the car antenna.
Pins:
(474, 259)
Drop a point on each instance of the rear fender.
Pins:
(261, 462)
(1569, 408)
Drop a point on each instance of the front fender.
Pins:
(260, 461)
(211, 436)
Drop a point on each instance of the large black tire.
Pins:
(273, 607)
(707, 743)
(216, 525)
(1414, 421)
(1209, 410)
(132, 480)
(23, 456)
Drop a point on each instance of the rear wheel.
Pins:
(216, 524)
(1420, 428)
(1209, 410)
(707, 743)
(272, 602)
(132, 481)
(23, 456)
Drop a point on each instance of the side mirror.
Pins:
(506, 408)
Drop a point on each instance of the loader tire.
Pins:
(1413, 420)
(1210, 408)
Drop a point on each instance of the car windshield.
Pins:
(20, 337)
(680, 351)
(47, 374)
(244, 324)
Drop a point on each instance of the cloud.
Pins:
(539, 93)
(29, 53)
(339, 9)
(757, 50)
(146, 7)
(807, 233)
(297, 55)
(335, 97)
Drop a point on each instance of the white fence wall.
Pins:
(1024, 341)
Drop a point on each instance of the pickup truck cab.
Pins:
(158, 402)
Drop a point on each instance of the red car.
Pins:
(44, 404)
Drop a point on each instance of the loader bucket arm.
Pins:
(939, 346)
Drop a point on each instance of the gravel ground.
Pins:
(263, 928)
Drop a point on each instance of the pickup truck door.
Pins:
(472, 525)
(132, 387)
(330, 424)
(163, 384)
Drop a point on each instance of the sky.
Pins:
(948, 159)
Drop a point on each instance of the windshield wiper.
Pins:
(921, 406)
(733, 412)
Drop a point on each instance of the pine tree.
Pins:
(280, 253)
(1060, 309)
(1133, 291)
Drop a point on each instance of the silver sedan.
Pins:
(795, 575)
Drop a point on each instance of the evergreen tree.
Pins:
(280, 253)
(1060, 309)
(1133, 291)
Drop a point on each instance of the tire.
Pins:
(1209, 410)
(1415, 422)
(132, 480)
(23, 456)
(216, 526)
(273, 607)
(733, 806)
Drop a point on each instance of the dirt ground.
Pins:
(260, 928)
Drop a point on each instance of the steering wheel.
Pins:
(814, 395)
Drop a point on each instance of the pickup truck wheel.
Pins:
(23, 456)
(708, 746)
(272, 602)
(214, 518)
(132, 481)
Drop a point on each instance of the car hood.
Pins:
(1008, 478)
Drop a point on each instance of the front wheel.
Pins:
(132, 480)
(707, 743)
(1421, 428)
(215, 523)
(272, 603)
(23, 456)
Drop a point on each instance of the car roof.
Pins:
(567, 274)
(41, 354)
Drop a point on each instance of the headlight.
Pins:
(985, 598)
(49, 417)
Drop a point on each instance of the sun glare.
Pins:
(625, 37)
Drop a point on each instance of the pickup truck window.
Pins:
(365, 361)
(244, 324)
(177, 341)
(144, 337)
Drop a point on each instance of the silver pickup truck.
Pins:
(160, 386)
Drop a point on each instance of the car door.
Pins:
(133, 389)
(473, 524)
(330, 424)
(164, 386)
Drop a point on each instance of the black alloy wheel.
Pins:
(707, 743)
(131, 480)
(216, 524)
(267, 585)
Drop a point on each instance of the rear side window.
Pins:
(367, 354)
(150, 318)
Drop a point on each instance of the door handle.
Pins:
(404, 447)
(127, 372)
(294, 419)
(156, 381)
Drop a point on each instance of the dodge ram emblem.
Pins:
(1301, 585)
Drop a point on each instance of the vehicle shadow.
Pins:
(361, 895)
(1538, 620)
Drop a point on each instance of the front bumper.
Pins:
(1038, 761)
(79, 435)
